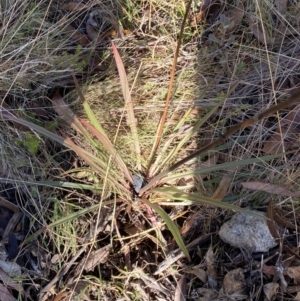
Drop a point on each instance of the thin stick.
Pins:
(168, 98)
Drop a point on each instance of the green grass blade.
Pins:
(109, 148)
(189, 134)
(88, 109)
(59, 184)
(67, 115)
(171, 225)
(62, 184)
(222, 166)
(195, 198)
(65, 219)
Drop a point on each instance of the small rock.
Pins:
(248, 232)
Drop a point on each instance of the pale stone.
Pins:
(248, 232)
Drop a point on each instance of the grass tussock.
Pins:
(74, 178)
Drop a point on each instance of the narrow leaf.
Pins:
(271, 188)
(224, 166)
(60, 184)
(221, 191)
(170, 89)
(172, 227)
(87, 108)
(129, 104)
(110, 149)
(174, 151)
(65, 112)
(177, 194)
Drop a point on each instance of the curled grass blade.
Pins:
(171, 225)
(129, 104)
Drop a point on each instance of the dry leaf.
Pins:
(80, 288)
(95, 36)
(211, 268)
(207, 7)
(286, 134)
(92, 33)
(8, 205)
(297, 297)
(271, 222)
(235, 17)
(207, 294)
(221, 191)
(64, 111)
(291, 289)
(150, 281)
(74, 34)
(177, 254)
(10, 268)
(234, 282)
(198, 272)
(61, 296)
(275, 145)
(191, 222)
(126, 252)
(270, 290)
(5, 295)
(270, 270)
(96, 257)
(181, 290)
(294, 272)
(73, 6)
(271, 188)
(291, 120)
(8, 282)
(258, 33)
(283, 223)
